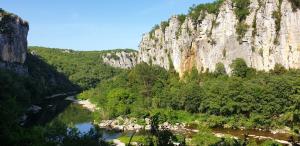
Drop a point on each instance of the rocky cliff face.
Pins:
(121, 59)
(268, 35)
(13, 42)
(13, 38)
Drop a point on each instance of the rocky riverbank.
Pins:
(133, 124)
(130, 124)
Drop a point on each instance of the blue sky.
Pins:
(93, 24)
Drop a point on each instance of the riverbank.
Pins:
(184, 128)
(84, 103)
(133, 124)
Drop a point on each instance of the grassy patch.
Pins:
(138, 138)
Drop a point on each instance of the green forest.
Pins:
(247, 98)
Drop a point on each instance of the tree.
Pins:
(239, 68)
(164, 136)
(220, 69)
(278, 69)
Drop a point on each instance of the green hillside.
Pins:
(85, 69)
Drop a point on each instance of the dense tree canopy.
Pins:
(254, 99)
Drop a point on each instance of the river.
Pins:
(70, 113)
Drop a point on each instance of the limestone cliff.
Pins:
(121, 58)
(269, 34)
(13, 41)
(13, 38)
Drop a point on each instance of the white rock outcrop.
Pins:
(214, 39)
(121, 59)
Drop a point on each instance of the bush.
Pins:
(270, 143)
(239, 68)
(295, 4)
(181, 18)
(278, 69)
(241, 11)
(241, 30)
(277, 16)
(197, 10)
(164, 25)
(220, 69)
(152, 32)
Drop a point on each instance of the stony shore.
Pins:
(130, 124)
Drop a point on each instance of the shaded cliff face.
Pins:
(13, 38)
(268, 34)
(120, 59)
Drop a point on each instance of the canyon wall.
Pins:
(213, 38)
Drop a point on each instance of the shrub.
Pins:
(241, 30)
(220, 69)
(212, 8)
(295, 4)
(239, 68)
(277, 16)
(205, 137)
(152, 32)
(181, 18)
(270, 143)
(164, 25)
(278, 69)
(241, 10)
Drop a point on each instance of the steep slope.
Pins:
(262, 32)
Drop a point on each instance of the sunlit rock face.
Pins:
(121, 59)
(13, 38)
(214, 39)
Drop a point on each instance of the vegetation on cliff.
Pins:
(241, 9)
(198, 10)
(295, 4)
